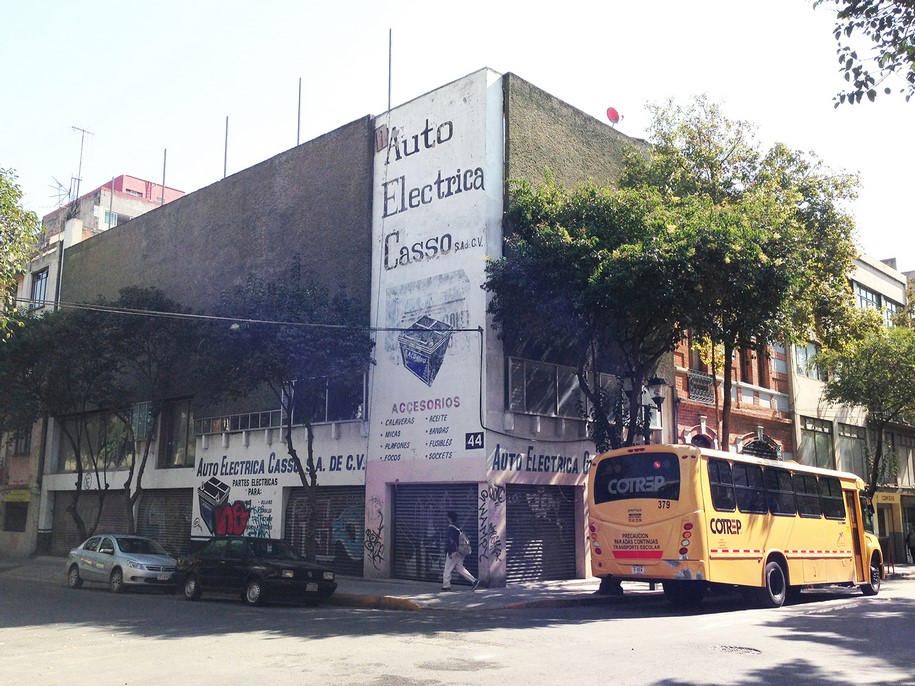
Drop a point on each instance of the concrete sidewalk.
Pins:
(398, 594)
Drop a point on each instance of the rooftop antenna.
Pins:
(79, 174)
(298, 125)
(614, 116)
(59, 192)
(225, 150)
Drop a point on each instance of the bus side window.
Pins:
(831, 498)
(780, 491)
(808, 496)
(750, 489)
(719, 478)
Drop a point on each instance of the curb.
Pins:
(374, 602)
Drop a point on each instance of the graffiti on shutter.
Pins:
(540, 532)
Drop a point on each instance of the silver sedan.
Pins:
(120, 560)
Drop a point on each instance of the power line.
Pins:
(112, 309)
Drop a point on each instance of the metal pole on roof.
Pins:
(390, 44)
(298, 124)
(110, 202)
(79, 173)
(164, 155)
(225, 153)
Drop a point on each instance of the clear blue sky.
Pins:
(147, 76)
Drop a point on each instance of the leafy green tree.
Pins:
(19, 231)
(321, 337)
(53, 366)
(886, 29)
(878, 374)
(158, 357)
(774, 246)
(103, 372)
(595, 277)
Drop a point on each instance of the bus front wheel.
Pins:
(873, 585)
(776, 586)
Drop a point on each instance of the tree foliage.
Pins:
(595, 277)
(87, 368)
(887, 47)
(19, 230)
(773, 245)
(323, 338)
(878, 374)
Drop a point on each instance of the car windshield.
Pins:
(141, 546)
(274, 550)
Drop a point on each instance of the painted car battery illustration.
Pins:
(423, 347)
(211, 495)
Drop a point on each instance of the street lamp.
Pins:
(655, 387)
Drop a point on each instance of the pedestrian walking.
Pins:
(455, 551)
(910, 541)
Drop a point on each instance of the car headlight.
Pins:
(135, 565)
(288, 573)
(328, 576)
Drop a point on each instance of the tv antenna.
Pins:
(59, 192)
(74, 182)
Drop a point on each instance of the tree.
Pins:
(878, 374)
(52, 366)
(887, 28)
(103, 372)
(774, 246)
(293, 337)
(158, 358)
(19, 230)
(596, 277)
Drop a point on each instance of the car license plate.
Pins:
(638, 569)
(311, 588)
(163, 576)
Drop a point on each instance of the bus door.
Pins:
(857, 532)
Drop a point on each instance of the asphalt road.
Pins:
(53, 635)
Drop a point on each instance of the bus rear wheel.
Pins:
(776, 586)
(686, 594)
(873, 585)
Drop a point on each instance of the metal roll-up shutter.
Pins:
(420, 526)
(166, 517)
(339, 532)
(65, 535)
(540, 532)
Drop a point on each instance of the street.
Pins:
(53, 635)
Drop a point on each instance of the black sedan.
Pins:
(258, 569)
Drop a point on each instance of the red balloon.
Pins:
(613, 115)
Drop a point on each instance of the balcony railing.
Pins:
(701, 387)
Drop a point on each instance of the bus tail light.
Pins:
(687, 526)
(683, 551)
(592, 528)
(598, 551)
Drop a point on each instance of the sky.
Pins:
(150, 77)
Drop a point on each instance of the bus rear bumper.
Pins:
(663, 570)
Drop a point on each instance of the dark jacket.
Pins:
(451, 540)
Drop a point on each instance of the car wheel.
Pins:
(776, 588)
(191, 588)
(254, 592)
(116, 581)
(74, 580)
(873, 586)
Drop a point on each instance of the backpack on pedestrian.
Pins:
(463, 547)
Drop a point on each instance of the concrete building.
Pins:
(111, 204)
(836, 436)
(401, 211)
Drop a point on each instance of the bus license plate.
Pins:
(638, 569)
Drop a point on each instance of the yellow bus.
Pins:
(694, 519)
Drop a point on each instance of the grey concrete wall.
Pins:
(313, 201)
(543, 132)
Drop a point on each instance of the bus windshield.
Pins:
(637, 475)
